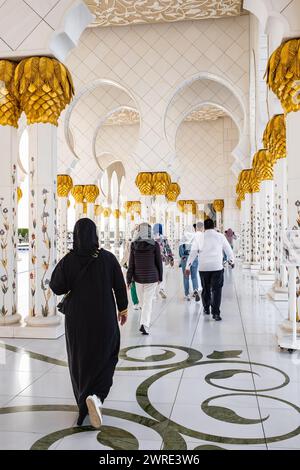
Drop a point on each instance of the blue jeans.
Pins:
(193, 275)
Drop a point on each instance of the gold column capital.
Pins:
(64, 185)
(44, 87)
(91, 192)
(77, 193)
(19, 194)
(161, 181)
(283, 74)
(144, 182)
(9, 104)
(106, 212)
(98, 209)
(263, 165)
(173, 192)
(218, 205)
(274, 138)
(116, 213)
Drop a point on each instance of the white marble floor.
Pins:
(192, 383)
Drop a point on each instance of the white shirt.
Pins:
(209, 247)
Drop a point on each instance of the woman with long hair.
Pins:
(96, 284)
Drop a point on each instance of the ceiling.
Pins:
(126, 117)
(206, 113)
(129, 12)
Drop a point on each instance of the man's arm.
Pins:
(195, 248)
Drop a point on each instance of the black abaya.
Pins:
(91, 324)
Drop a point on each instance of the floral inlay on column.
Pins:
(9, 115)
(4, 233)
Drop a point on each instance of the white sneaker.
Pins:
(136, 307)
(162, 294)
(94, 407)
(187, 297)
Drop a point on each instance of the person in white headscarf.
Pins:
(184, 251)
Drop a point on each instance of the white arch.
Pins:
(100, 124)
(215, 78)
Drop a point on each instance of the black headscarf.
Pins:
(85, 238)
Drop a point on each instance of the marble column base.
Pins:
(10, 319)
(266, 276)
(246, 265)
(287, 326)
(278, 294)
(285, 339)
(52, 320)
(39, 332)
(255, 266)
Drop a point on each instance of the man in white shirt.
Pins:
(209, 246)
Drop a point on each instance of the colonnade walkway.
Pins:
(192, 383)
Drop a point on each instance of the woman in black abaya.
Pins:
(91, 321)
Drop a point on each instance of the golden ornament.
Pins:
(144, 182)
(116, 213)
(10, 110)
(19, 194)
(173, 192)
(85, 208)
(160, 181)
(263, 165)
(91, 192)
(218, 205)
(283, 74)
(274, 138)
(64, 185)
(106, 212)
(44, 87)
(98, 209)
(77, 193)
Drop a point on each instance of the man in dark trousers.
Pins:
(209, 246)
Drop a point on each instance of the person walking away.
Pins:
(91, 322)
(230, 236)
(184, 251)
(210, 247)
(124, 263)
(166, 255)
(145, 269)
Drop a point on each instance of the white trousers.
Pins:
(146, 294)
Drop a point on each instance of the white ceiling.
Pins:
(120, 12)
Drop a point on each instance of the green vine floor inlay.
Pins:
(174, 435)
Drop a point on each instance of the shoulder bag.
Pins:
(62, 306)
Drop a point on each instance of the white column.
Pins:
(146, 208)
(256, 231)
(90, 210)
(267, 271)
(279, 291)
(247, 230)
(64, 185)
(42, 224)
(62, 227)
(293, 184)
(242, 232)
(182, 224)
(116, 214)
(106, 216)
(8, 227)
